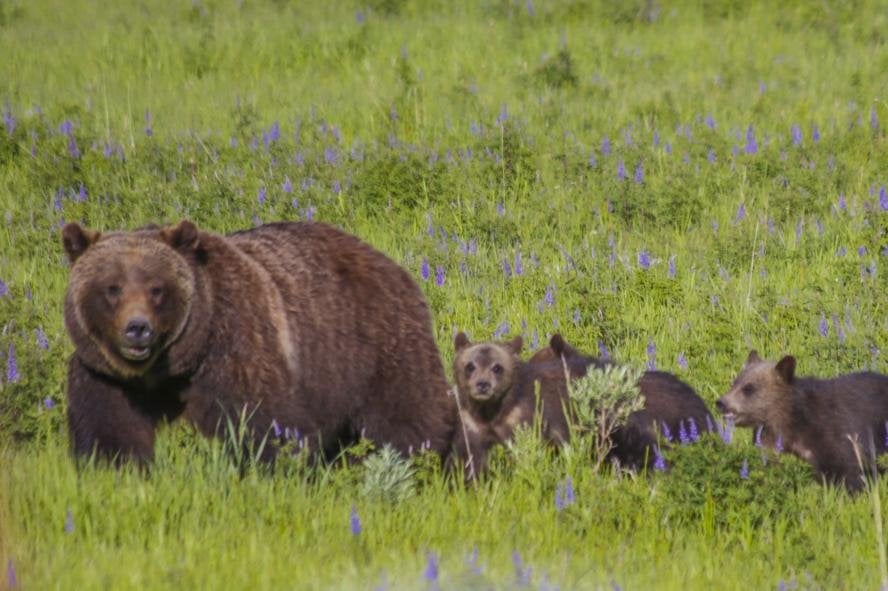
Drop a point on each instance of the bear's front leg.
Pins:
(103, 420)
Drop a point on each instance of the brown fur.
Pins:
(813, 417)
(669, 403)
(490, 417)
(303, 325)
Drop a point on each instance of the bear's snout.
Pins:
(721, 406)
(483, 387)
(138, 332)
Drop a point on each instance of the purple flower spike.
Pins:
(709, 426)
(671, 272)
(682, 361)
(12, 372)
(149, 131)
(261, 196)
(439, 276)
(519, 266)
(4, 289)
(683, 437)
(287, 187)
(883, 199)
(9, 120)
(621, 171)
(758, 436)
(550, 295)
(424, 269)
(815, 133)
(644, 259)
(693, 433)
(659, 460)
(652, 356)
(796, 135)
(751, 144)
(744, 470)
(778, 444)
(710, 156)
(823, 326)
(639, 174)
(667, 433)
(69, 522)
(602, 351)
(559, 500)
(11, 579)
(569, 496)
(48, 403)
(727, 431)
(431, 570)
(72, 148)
(355, 522)
(507, 269)
(874, 119)
(741, 213)
(605, 146)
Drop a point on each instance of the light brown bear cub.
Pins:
(814, 419)
(497, 394)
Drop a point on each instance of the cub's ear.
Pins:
(753, 357)
(461, 341)
(184, 236)
(558, 344)
(76, 239)
(786, 368)
(515, 345)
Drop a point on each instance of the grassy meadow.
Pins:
(667, 183)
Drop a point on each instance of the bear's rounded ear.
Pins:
(557, 344)
(786, 368)
(516, 344)
(461, 341)
(753, 357)
(184, 236)
(76, 239)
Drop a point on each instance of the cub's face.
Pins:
(484, 372)
(131, 294)
(759, 391)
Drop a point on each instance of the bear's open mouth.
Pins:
(136, 353)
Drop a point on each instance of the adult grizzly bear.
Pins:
(304, 326)
(815, 419)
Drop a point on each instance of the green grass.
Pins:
(410, 91)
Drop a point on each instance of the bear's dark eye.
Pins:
(497, 369)
(748, 389)
(156, 292)
(470, 367)
(112, 291)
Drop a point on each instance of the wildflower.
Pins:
(48, 403)
(621, 171)
(710, 122)
(671, 272)
(11, 579)
(682, 361)
(337, 187)
(12, 372)
(73, 150)
(530, 9)
(602, 351)
(66, 127)
(757, 440)
(534, 340)
(559, 500)
(149, 131)
(275, 428)
(4, 289)
(507, 269)
(519, 266)
(883, 199)
(667, 433)
(652, 355)
(683, 436)
(841, 251)
(751, 144)
(550, 295)
(796, 134)
(639, 173)
(741, 213)
(501, 209)
(644, 259)
(605, 146)
(569, 495)
(360, 17)
(874, 119)
(424, 269)
(503, 115)
(727, 431)
(778, 444)
(261, 196)
(331, 157)
(669, 147)
(8, 120)
(744, 470)
(815, 133)
(823, 326)
(439, 275)
(287, 187)
(522, 573)
(592, 160)
(354, 522)
(431, 570)
(501, 330)
(709, 426)
(659, 460)
(693, 433)
(576, 317)
(710, 156)
(69, 522)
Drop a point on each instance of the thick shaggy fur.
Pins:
(304, 326)
(814, 419)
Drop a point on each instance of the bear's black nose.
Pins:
(138, 332)
(483, 387)
(720, 406)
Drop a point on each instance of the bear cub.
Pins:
(814, 419)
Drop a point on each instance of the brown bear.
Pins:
(498, 393)
(301, 327)
(814, 419)
(672, 408)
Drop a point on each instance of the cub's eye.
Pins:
(470, 367)
(748, 389)
(497, 369)
(112, 291)
(156, 292)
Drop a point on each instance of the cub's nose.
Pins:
(483, 387)
(721, 406)
(138, 332)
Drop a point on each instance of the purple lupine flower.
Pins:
(550, 295)
(501, 209)
(751, 144)
(798, 229)
(337, 187)
(149, 131)
(667, 433)
(8, 120)
(656, 138)
(693, 433)
(522, 573)
(501, 330)
(815, 133)
(883, 198)
(439, 276)
(81, 194)
(727, 431)
(331, 156)
(778, 444)
(66, 127)
(69, 522)
(886, 434)
(48, 403)
(874, 119)
(683, 437)
(861, 251)
(682, 361)
(744, 470)
(757, 440)
(529, 6)
(4, 289)
(559, 500)
(644, 259)
(519, 266)
(796, 133)
(710, 156)
(354, 522)
(671, 272)
(639, 173)
(668, 147)
(605, 146)
(659, 460)
(73, 150)
(569, 496)
(424, 269)
(710, 122)
(621, 171)
(261, 196)
(602, 351)
(823, 326)
(709, 426)
(11, 579)
(627, 137)
(652, 355)
(576, 317)
(741, 213)
(534, 340)
(276, 428)
(507, 269)
(431, 569)
(287, 187)
(12, 372)
(360, 17)
(592, 160)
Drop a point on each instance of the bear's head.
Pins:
(130, 294)
(762, 392)
(484, 372)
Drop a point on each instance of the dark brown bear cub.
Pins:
(671, 407)
(497, 393)
(297, 325)
(815, 419)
